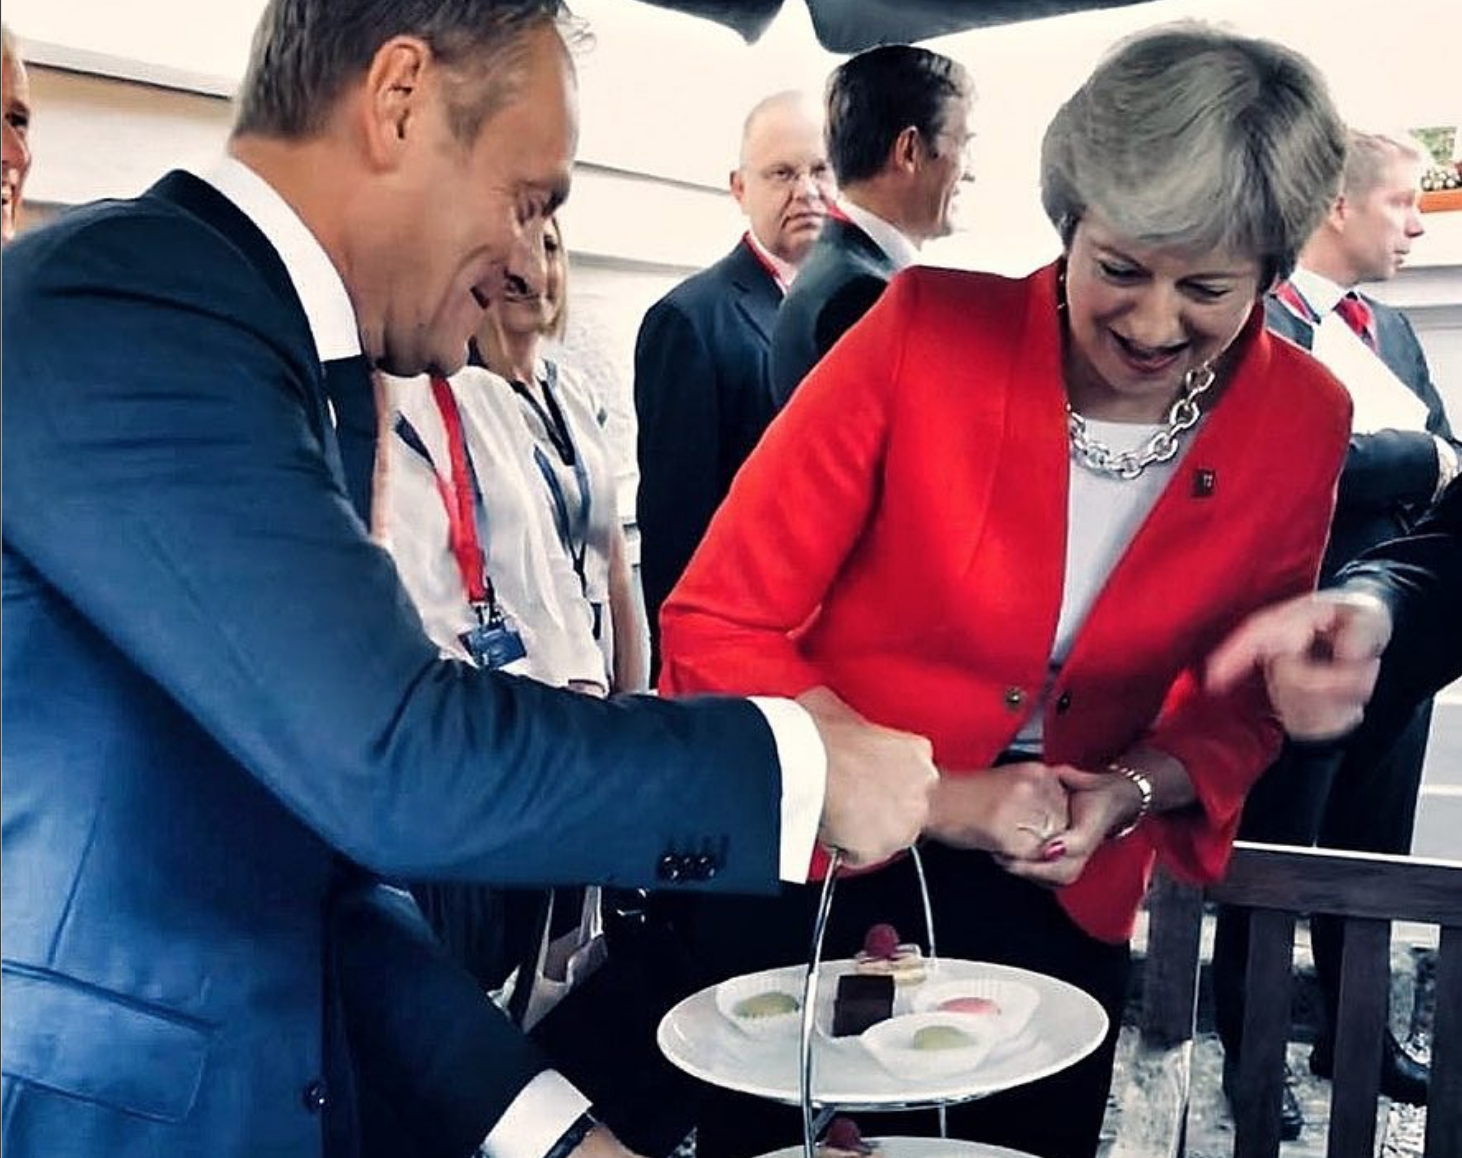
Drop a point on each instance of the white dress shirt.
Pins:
(548, 1104)
(1381, 400)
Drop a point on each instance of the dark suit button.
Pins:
(705, 867)
(1014, 697)
(671, 868)
(1063, 703)
(314, 1096)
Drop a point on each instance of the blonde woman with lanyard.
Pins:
(571, 454)
(459, 509)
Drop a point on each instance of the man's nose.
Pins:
(528, 263)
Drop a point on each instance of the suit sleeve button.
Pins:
(1063, 703)
(670, 868)
(314, 1096)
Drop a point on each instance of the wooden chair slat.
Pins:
(1365, 991)
(1444, 1109)
(1266, 1031)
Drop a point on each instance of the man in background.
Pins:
(16, 162)
(1359, 795)
(701, 391)
(898, 136)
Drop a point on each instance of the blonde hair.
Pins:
(1193, 136)
(557, 324)
(1369, 154)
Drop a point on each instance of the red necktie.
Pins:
(1357, 315)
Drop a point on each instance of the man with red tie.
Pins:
(701, 392)
(1361, 795)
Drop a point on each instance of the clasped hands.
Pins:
(883, 792)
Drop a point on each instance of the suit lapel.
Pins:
(201, 200)
(757, 293)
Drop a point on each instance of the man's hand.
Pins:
(878, 782)
(1319, 653)
(600, 1143)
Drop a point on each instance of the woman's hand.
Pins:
(1100, 803)
(1013, 810)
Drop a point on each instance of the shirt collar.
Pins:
(1320, 293)
(783, 271)
(318, 283)
(894, 242)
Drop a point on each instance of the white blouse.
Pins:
(533, 581)
(583, 529)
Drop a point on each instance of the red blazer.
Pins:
(899, 535)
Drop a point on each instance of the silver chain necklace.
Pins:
(1183, 415)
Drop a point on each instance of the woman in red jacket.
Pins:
(1016, 515)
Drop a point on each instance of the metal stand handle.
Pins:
(813, 1122)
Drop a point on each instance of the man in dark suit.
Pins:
(898, 135)
(701, 395)
(1362, 795)
(223, 721)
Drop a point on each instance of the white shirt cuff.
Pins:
(804, 781)
(537, 1118)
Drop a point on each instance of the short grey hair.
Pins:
(1369, 154)
(306, 52)
(1190, 135)
(7, 42)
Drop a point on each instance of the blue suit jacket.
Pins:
(844, 274)
(1390, 475)
(221, 712)
(702, 401)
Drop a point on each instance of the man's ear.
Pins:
(738, 186)
(395, 97)
(907, 150)
(1338, 214)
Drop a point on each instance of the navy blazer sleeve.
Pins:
(1420, 577)
(799, 343)
(163, 474)
(678, 406)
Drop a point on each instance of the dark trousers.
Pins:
(981, 913)
(1360, 797)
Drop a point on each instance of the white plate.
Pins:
(921, 1148)
(1016, 1000)
(1066, 1026)
(892, 1044)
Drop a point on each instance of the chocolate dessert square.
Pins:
(861, 1001)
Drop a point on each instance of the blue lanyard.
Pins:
(562, 439)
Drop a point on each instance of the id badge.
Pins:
(493, 644)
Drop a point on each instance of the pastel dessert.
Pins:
(844, 1140)
(861, 1001)
(771, 1004)
(934, 1037)
(884, 955)
(983, 1006)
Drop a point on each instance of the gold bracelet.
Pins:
(1138, 779)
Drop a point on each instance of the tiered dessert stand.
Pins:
(824, 1074)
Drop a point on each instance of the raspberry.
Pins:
(882, 941)
(842, 1134)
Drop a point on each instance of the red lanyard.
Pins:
(460, 501)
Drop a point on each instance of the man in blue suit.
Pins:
(701, 395)
(1360, 795)
(223, 722)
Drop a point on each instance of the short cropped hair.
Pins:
(1369, 154)
(876, 95)
(7, 42)
(1189, 135)
(305, 53)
